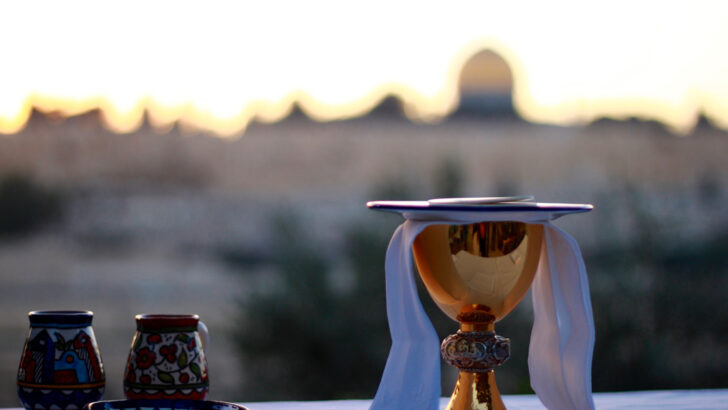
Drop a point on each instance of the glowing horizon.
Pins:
(220, 67)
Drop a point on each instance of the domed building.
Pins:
(486, 87)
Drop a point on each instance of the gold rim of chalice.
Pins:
(477, 273)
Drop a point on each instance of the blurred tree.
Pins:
(395, 187)
(25, 205)
(449, 179)
(307, 339)
(709, 189)
(660, 308)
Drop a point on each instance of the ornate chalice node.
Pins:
(477, 273)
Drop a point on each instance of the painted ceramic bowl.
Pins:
(150, 404)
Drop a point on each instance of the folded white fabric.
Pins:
(562, 338)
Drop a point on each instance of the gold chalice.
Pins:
(477, 273)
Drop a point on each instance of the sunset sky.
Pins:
(217, 65)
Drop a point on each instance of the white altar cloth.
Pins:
(657, 399)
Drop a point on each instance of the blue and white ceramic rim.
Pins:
(179, 404)
(61, 318)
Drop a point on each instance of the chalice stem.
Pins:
(476, 391)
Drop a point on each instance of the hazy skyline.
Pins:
(217, 66)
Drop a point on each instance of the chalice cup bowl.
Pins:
(477, 273)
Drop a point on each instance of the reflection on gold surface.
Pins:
(488, 263)
(487, 239)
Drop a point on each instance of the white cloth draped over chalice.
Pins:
(562, 337)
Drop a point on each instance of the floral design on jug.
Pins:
(166, 363)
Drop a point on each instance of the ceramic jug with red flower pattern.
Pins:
(167, 358)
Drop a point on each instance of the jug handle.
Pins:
(204, 335)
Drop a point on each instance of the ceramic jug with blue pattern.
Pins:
(61, 365)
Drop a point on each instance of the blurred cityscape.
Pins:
(268, 239)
